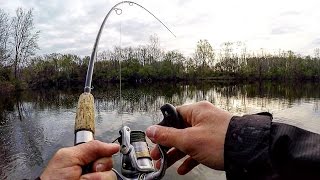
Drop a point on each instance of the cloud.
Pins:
(285, 30)
(316, 42)
(290, 13)
(71, 26)
(70, 30)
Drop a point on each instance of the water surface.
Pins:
(33, 125)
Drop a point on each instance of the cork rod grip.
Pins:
(85, 113)
(84, 123)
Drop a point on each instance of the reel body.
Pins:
(136, 162)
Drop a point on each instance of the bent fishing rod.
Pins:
(136, 162)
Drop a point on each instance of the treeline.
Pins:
(145, 63)
(149, 63)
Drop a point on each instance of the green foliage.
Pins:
(55, 70)
(5, 74)
(150, 63)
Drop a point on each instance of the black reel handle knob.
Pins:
(171, 118)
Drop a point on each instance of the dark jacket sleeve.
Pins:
(257, 148)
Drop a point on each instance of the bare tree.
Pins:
(4, 36)
(317, 53)
(155, 52)
(204, 54)
(24, 38)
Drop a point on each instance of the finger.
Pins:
(188, 112)
(173, 156)
(187, 166)
(166, 136)
(102, 164)
(107, 175)
(155, 153)
(90, 151)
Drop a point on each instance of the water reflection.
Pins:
(239, 99)
(33, 125)
(19, 138)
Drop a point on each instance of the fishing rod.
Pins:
(84, 128)
(136, 162)
(118, 11)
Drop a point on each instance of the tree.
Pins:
(4, 36)
(229, 60)
(317, 53)
(204, 53)
(24, 38)
(172, 64)
(155, 52)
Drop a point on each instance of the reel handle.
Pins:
(171, 118)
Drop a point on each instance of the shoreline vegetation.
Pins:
(139, 65)
(20, 68)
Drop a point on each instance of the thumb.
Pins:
(107, 175)
(90, 151)
(166, 136)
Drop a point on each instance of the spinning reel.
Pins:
(136, 163)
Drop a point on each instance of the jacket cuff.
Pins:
(246, 149)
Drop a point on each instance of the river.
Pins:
(35, 124)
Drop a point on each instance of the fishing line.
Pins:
(120, 60)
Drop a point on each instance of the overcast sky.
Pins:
(70, 26)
